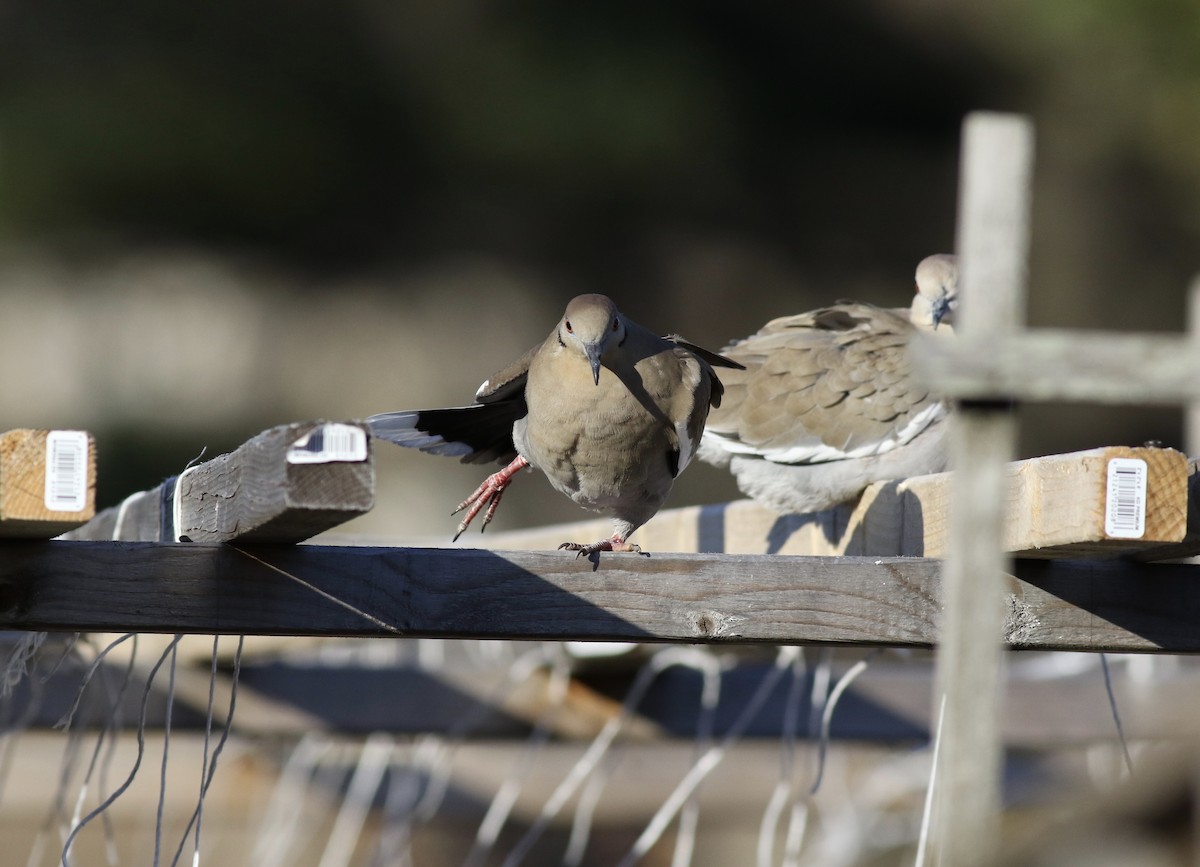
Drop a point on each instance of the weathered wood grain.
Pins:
(1054, 507)
(253, 493)
(1064, 364)
(992, 243)
(24, 511)
(693, 598)
(464, 593)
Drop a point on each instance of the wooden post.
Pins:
(47, 482)
(284, 485)
(1191, 435)
(993, 237)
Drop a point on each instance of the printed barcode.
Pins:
(66, 470)
(1125, 507)
(329, 442)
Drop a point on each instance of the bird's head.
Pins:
(937, 290)
(592, 326)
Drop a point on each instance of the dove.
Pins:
(826, 402)
(609, 411)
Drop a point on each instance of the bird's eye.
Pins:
(570, 329)
(615, 325)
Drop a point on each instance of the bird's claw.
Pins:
(487, 494)
(616, 543)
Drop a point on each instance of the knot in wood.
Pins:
(714, 624)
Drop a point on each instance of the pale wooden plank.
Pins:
(1055, 507)
(24, 509)
(691, 598)
(1191, 418)
(1047, 364)
(253, 493)
(993, 240)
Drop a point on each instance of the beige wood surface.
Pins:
(1055, 508)
(23, 510)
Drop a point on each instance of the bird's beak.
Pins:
(592, 351)
(940, 309)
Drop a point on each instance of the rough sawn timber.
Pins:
(690, 598)
(24, 512)
(252, 493)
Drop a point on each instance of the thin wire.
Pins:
(400, 804)
(111, 721)
(335, 600)
(585, 811)
(1116, 715)
(65, 721)
(927, 817)
(786, 784)
(67, 653)
(595, 752)
(712, 758)
(830, 705)
(206, 776)
(502, 803)
(141, 747)
(162, 774)
(373, 761)
(117, 720)
(689, 818)
(285, 808)
(17, 664)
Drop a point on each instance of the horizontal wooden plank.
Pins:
(29, 507)
(259, 492)
(437, 592)
(1056, 508)
(691, 598)
(1063, 364)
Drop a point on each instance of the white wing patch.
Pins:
(812, 450)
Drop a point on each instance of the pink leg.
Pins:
(615, 543)
(488, 494)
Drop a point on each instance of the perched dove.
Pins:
(609, 411)
(826, 403)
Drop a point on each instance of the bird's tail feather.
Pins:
(475, 434)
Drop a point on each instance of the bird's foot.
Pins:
(615, 543)
(488, 494)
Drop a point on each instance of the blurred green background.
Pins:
(220, 217)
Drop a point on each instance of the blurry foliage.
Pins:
(331, 132)
(1131, 68)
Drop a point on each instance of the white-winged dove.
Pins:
(609, 411)
(826, 403)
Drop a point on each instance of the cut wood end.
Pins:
(30, 508)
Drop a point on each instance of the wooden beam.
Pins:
(1064, 364)
(689, 598)
(1056, 507)
(1191, 416)
(284, 485)
(992, 244)
(47, 482)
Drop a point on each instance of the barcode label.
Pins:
(328, 443)
(1125, 506)
(66, 470)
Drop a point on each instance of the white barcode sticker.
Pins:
(329, 443)
(1125, 505)
(66, 470)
